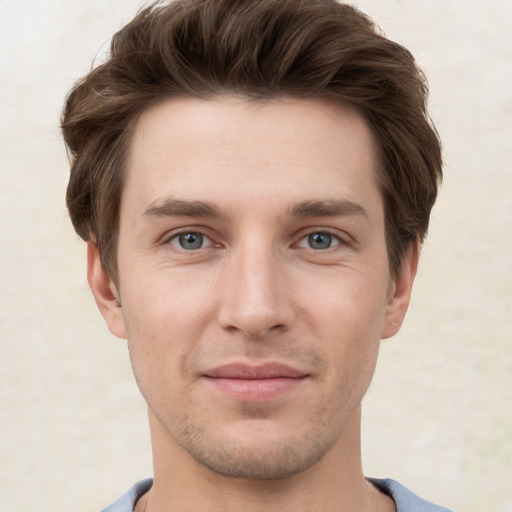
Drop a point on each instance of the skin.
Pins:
(292, 269)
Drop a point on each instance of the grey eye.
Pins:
(320, 240)
(190, 241)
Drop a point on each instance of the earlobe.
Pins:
(104, 291)
(400, 293)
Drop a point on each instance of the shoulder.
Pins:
(406, 501)
(127, 501)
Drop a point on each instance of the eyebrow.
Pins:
(177, 207)
(330, 208)
(181, 208)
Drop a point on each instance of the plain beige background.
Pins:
(438, 416)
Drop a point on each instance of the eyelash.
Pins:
(333, 240)
(188, 232)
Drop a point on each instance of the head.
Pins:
(319, 49)
(254, 179)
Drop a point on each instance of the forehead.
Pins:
(228, 149)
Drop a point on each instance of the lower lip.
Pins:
(255, 390)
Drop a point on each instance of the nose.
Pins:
(255, 297)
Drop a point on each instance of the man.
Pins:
(254, 181)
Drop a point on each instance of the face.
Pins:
(254, 279)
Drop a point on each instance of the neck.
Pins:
(334, 484)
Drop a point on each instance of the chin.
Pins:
(257, 455)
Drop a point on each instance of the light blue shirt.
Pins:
(405, 500)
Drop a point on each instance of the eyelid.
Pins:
(206, 241)
(341, 237)
(175, 234)
(336, 241)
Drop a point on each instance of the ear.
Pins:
(400, 292)
(104, 291)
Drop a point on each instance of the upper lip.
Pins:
(270, 370)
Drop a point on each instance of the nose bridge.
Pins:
(255, 297)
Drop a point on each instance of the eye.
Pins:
(319, 240)
(190, 240)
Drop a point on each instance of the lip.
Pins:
(246, 371)
(255, 383)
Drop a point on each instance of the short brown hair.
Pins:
(258, 49)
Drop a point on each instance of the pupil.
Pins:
(191, 241)
(320, 240)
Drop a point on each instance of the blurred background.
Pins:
(438, 416)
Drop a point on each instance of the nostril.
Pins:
(253, 325)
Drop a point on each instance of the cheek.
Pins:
(160, 302)
(351, 305)
(164, 321)
(351, 343)
(347, 316)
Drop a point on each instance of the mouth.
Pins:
(255, 383)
